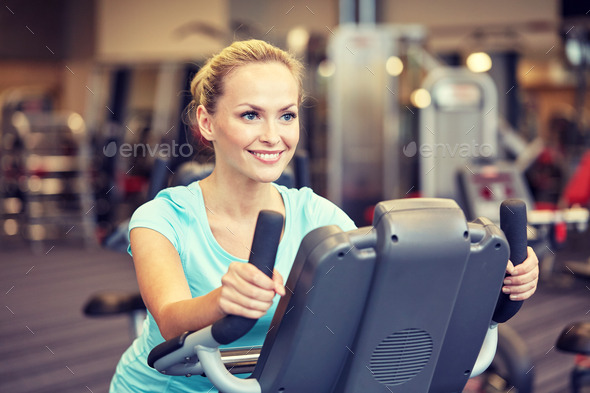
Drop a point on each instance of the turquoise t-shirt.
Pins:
(179, 213)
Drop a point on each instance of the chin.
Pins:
(266, 177)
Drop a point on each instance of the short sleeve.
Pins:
(322, 212)
(165, 214)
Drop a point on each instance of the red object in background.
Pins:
(132, 184)
(582, 361)
(485, 193)
(509, 192)
(39, 171)
(545, 206)
(368, 214)
(560, 232)
(577, 190)
(547, 157)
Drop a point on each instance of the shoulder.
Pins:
(173, 199)
(169, 212)
(300, 194)
(305, 204)
(180, 195)
(302, 198)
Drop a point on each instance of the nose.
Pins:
(270, 133)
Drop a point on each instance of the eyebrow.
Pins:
(260, 109)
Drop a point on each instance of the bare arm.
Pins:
(245, 290)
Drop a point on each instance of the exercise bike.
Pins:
(351, 321)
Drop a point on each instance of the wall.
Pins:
(56, 42)
(274, 19)
(48, 43)
(451, 22)
(534, 23)
(32, 29)
(148, 30)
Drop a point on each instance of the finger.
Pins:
(249, 273)
(509, 267)
(519, 290)
(522, 295)
(278, 280)
(236, 286)
(239, 284)
(523, 278)
(527, 272)
(255, 276)
(248, 297)
(529, 264)
(231, 308)
(525, 295)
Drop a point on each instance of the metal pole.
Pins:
(347, 11)
(367, 12)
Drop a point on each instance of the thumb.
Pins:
(278, 279)
(509, 267)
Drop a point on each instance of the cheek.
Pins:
(234, 134)
(236, 139)
(292, 136)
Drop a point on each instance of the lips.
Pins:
(266, 156)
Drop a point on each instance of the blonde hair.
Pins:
(207, 85)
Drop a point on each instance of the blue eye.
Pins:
(250, 115)
(289, 116)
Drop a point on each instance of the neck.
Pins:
(241, 199)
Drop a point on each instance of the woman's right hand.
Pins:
(248, 292)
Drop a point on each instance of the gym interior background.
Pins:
(92, 94)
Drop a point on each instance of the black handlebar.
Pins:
(263, 254)
(513, 222)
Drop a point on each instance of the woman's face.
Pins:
(255, 129)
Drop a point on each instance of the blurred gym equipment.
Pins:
(46, 172)
(462, 157)
(575, 337)
(364, 115)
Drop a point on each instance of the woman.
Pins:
(190, 243)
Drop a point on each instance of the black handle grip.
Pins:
(263, 254)
(513, 223)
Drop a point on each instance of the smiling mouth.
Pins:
(266, 156)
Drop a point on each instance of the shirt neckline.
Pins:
(206, 228)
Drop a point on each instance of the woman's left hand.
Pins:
(522, 279)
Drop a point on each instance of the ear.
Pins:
(205, 122)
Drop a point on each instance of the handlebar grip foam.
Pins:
(513, 221)
(263, 254)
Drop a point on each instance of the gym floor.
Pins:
(49, 346)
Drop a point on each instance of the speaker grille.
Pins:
(400, 356)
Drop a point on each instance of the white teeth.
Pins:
(265, 156)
